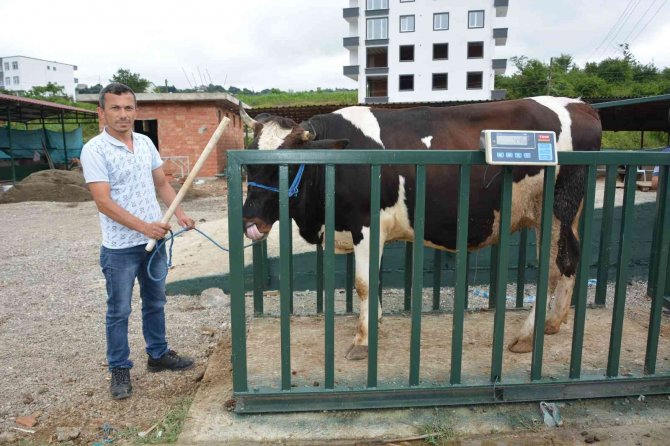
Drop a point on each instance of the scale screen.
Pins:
(520, 147)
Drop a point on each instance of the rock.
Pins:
(7, 437)
(67, 433)
(27, 398)
(214, 297)
(27, 421)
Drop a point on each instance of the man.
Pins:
(123, 172)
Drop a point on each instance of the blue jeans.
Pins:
(121, 267)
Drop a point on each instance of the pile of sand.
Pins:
(49, 185)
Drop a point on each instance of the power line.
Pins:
(617, 29)
(625, 40)
(649, 21)
(613, 26)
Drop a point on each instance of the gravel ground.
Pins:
(52, 344)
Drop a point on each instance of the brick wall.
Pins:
(185, 128)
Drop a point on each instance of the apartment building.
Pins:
(21, 73)
(425, 50)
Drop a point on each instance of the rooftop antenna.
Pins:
(210, 77)
(202, 80)
(187, 79)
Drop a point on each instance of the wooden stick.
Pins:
(191, 176)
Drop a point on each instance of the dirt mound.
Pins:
(49, 185)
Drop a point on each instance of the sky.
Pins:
(292, 44)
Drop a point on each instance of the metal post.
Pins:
(605, 248)
(62, 126)
(329, 279)
(582, 276)
(521, 268)
(437, 278)
(417, 280)
(259, 278)
(285, 290)
(236, 262)
(319, 278)
(11, 149)
(409, 253)
(502, 266)
(543, 272)
(461, 275)
(625, 240)
(373, 276)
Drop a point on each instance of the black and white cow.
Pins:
(577, 127)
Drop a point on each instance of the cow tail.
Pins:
(568, 198)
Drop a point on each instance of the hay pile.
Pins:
(49, 185)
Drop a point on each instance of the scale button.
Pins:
(518, 155)
(509, 155)
(526, 155)
(500, 155)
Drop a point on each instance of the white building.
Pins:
(20, 73)
(425, 50)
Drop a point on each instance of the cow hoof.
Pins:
(519, 345)
(551, 329)
(357, 352)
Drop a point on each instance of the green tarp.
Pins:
(25, 143)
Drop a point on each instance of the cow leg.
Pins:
(561, 284)
(359, 348)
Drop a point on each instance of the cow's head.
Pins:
(261, 207)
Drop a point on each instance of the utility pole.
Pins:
(551, 62)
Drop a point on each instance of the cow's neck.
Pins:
(308, 207)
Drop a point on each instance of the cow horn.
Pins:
(307, 136)
(248, 120)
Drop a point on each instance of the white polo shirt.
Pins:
(106, 159)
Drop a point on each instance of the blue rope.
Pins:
(171, 239)
(292, 191)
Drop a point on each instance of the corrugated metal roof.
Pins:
(21, 109)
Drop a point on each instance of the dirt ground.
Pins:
(52, 361)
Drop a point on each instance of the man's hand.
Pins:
(156, 230)
(185, 221)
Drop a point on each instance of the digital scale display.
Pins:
(519, 147)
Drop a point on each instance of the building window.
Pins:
(48, 67)
(406, 23)
(475, 19)
(440, 51)
(377, 57)
(440, 81)
(406, 1)
(475, 50)
(440, 21)
(54, 68)
(376, 87)
(406, 82)
(16, 80)
(15, 65)
(475, 80)
(372, 5)
(8, 80)
(378, 28)
(406, 53)
(6, 66)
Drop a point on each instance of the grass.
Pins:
(167, 430)
(438, 433)
(299, 98)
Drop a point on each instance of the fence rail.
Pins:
(416, 392)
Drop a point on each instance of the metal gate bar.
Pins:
(373, 277)
(417, 279)
(605, 248)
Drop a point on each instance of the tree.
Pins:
(49, 90)
(133, 80)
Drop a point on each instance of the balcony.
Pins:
(500, 36)
(351, 71)
(377, 71)
(351, 42)
(376, 12)
(377, 100)
(350, 14)
(499, 65)
(501, 7)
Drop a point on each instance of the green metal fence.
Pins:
(457, 390)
